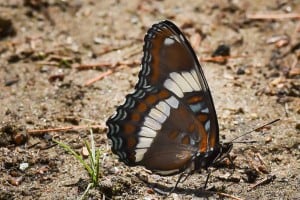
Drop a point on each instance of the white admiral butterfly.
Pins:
(168, 124)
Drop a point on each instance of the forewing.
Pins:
(170, 62)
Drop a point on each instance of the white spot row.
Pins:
(207, 126)
(152, 124)
(171, 40)
(179, 83)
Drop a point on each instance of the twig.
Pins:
(59, 57)
(266, 180)
(118, 66)
(109, 49)
(228, 195)
(260, 158)
(95, 65)
(274, 16)
(106, 64)
(99, 77)
(62, 129)
(48, 63)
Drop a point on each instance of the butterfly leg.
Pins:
(207, 178)
(178, 181)
(186, 177)
(231, 163)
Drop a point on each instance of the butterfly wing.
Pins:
(170, 116)
(169, 60)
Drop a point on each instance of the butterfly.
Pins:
(169, 123)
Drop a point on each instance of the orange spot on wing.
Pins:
(135, 117)
(203, 142)
(129, 129)
(131, 142)
(142, 107)
(163, 94)
(194, 99)
(202, 117)
(150, 100)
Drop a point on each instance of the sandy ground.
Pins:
(50, 52)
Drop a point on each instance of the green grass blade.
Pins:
(97, 164)
(76, 155)
(92, 162)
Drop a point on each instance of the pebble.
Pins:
(84, 152)
(23, 166)
(20, 138)
(240, 71)
(15, 181)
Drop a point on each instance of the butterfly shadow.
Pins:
(166, 190)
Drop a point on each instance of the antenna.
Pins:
(256, 129)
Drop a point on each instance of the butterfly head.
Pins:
(210, 158)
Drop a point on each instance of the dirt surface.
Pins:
(50, 52)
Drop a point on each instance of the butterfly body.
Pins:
(168, 124)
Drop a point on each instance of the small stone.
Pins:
(114, 170)
(251, 175)
(268, 139)
(84, 152)
(15, 181)
(42, 169)
(99, 40)
(253, 115)
(23, 166)
(150, 191)
(222, 50)
(240, 71)
(20, 138)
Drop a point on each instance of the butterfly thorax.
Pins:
(211, 157)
